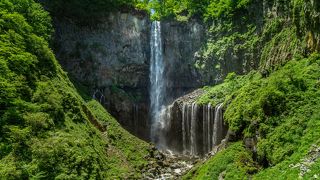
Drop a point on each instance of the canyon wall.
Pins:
(181, 41)
(110, 57)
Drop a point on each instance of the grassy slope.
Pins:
(46, 129)
(235, 161)
(282, 109)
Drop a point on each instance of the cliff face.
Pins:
(181, 41)
(263, 35)
(112, 53)
(112, 60)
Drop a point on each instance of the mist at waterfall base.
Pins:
(189, 129)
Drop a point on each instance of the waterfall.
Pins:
(208, 134)
(158, 86)
(201, 126)
(184, 128)
(207, 127)
(193, 129)
(218, 125)
(190, 128)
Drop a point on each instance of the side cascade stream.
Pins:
(202, 128)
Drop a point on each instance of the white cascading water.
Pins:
(193, 129)
(158, 86)
(188, 128)
(212, 128)
(184, 127)
(218, 124)
(208, 115)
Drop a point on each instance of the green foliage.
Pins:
(282, 47)
(129, 147)
(235, 162)
(15, 12)
(224, 92)
(241, 39)
(90, 9)
(282, 109)
(276, 105)
(207, 9)
(180, 10)
(225, 8)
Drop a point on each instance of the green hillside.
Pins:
(47, 130)
(280, 112)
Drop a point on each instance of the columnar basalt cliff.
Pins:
(112, 58)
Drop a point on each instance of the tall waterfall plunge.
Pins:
(186, 128)
(158, 87)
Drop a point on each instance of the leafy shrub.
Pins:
(235, 162)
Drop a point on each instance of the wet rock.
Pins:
(231, 136)
(172, 167)
(178, 171)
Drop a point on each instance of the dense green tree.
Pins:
(208, 9)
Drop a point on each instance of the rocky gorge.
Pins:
(112, 57)
(148, 89)
(112, 61)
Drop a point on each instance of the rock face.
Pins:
(181, 41)
(111, 59)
